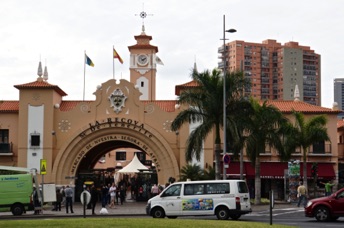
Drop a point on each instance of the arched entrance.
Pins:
(85, 148)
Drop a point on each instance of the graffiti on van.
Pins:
(197, 204)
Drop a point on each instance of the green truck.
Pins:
(16, 191)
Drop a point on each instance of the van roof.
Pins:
(209, 181)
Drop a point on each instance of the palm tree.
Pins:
(205, 105)
(303, 134)
(192, 172)
(265, 128)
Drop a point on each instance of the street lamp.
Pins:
(224, 91)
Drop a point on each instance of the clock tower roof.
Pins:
(143, 43)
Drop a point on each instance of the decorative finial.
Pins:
(45, 74)
(143, 15)
(296, 93)
(39, 71)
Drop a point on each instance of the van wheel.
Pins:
(235, 216)
(158, 213)
(222, 213)
(17, 209)
(321, 214)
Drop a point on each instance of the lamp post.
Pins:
(224, 91)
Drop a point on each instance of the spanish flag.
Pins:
(88, 61)
(116, 56)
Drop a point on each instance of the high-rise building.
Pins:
(275, 69)
(338, 94)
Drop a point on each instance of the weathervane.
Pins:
(143, 15)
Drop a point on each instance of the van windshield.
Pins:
(242, 187)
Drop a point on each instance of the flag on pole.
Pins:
(88, 61)
(116, 56)
(158, 60)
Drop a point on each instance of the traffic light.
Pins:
(314, 169)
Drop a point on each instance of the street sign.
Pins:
(43, 167)
(226, 159)
(85, 197)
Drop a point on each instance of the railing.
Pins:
(5, 147)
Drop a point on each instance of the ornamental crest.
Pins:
(117, 99)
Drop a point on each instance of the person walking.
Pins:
(122, 194)
(112, 192)
(328, 187)
(302, 194)
(104, 192)
(62, 190)
(58, 200)
(94, 198)
(69, 199)
(155, 190)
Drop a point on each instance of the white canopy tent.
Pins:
(135, 166)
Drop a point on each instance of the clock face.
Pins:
(142, 59)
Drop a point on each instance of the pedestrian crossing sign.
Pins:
(43, 167)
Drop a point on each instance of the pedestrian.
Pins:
(36, 202)
(112, 192)
(94, 198)
(122, 194)
(302, 194)
(155, 190)
(105, 192)
(63, 195)
(58, 201)
(69, 199)
(328, 187)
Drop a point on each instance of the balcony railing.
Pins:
(5, 147)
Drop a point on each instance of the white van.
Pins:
(223, 198)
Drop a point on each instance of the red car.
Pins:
(326, 208)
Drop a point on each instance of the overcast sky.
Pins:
(57, 32)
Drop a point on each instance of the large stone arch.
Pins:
(143, 136)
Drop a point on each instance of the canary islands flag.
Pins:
(89, 61)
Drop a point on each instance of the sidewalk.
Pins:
(130, 207)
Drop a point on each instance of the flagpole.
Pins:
(83, 97)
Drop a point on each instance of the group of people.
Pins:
(302, 192)
(113, 194)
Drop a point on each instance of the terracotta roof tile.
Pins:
(181, 87)
(300, 106)
(40, 84)
(340, 124)
(9, 106)
(167, 105)
(66, 106)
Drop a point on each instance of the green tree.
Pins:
(192, 172)
(205, 105)
(304, 133)
(265, 129)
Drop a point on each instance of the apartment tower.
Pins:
(275, 69)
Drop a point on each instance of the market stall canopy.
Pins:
(135, 166)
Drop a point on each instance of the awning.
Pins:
(268, 170)
(275, 170)
(325, 170)
(234, 169)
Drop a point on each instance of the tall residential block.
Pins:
(274, 69)
(339, 92)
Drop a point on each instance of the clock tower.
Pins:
(143, 66)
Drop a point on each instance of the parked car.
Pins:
(326, 208)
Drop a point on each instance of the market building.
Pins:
(73, 136)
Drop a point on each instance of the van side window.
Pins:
(194, 189)
(173, 190)
(218, 188)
